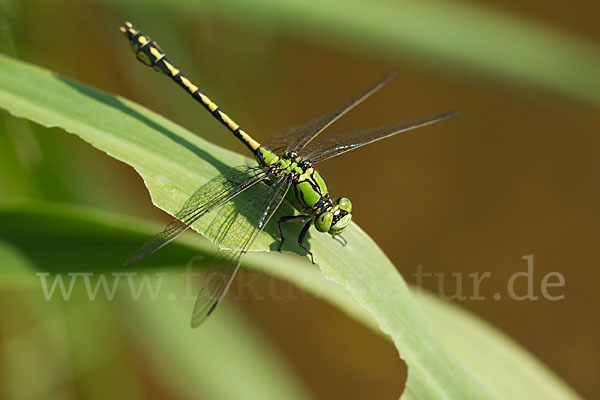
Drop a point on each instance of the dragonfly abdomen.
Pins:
(150, 54)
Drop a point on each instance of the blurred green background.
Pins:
(514, 174)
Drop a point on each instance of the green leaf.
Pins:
(79, 335)
(458, 37)
(173, 163)
(513, 371)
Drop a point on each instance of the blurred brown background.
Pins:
(514, 174)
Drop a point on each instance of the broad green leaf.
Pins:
(173, 163)
(460, 37)
(515, 373)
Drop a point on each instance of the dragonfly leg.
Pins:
(301, 239)
(341, 239)
(289, 218)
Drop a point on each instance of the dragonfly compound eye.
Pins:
(323, 221)
(340, 221)
(345, 204)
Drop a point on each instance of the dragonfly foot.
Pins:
(341, 240)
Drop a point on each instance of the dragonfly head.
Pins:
(336, 219)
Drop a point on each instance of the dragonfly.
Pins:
(285, 166)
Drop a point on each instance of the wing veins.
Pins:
(188, 214)
(296, 137)
(345, 141)
(227, 262)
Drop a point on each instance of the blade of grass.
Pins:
(87, 344)
(461, 37)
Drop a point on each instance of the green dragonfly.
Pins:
(284, 163)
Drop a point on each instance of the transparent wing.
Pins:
(342, 142)
(213, 194)
(234, 242)
(296, 137)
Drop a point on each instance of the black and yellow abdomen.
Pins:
(150, 54)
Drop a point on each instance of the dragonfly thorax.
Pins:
(311, 195)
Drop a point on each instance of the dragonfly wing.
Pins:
(213, 194)
(281, 142)
(296, 137)
(340, 143)
(236, 240)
